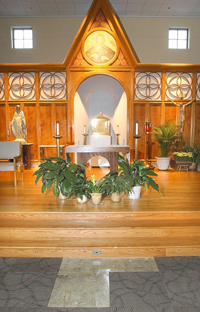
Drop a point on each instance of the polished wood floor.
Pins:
(37, 225)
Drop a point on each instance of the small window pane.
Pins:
(18, 34)
(27, 34)
(18, 44)
(172, 44)
(173, 34)
(28, 44)
(182, 34)
(182, 44)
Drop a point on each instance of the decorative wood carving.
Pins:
(21, 86)
(100, 21)
(53, 85)
(2, 94)
(177, 83)
(121, 60)
(80, 61)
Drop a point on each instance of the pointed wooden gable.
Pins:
(101, 41)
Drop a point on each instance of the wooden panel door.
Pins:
(197, 124)
(155, 119)
(46, 128)
(4, 135)
(61, 116)
(32, 128)
(139, 115)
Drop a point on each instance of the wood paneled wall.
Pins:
(151, 104)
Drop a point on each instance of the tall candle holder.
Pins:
(136, 137)
(147, 131)
(58, 137)
(117, 135)
(85, 138)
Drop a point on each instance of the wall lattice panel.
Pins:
(53, 86)
(21, 86)
(198, 87)
(2, 94)
(148, 86)
(177, 83)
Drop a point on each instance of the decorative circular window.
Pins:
(100, 48)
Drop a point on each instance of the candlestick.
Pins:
(57, 127)
(136, 128)
(84, 130)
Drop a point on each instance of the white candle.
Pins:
(136, 128)
(117, 129)
(57, 127)
(84, 129)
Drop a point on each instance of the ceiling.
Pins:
(49, 8)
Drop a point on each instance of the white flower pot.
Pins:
(163, 162)
(193, 167)
(135, 193)
(83, 200)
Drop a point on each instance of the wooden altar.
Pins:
(110, 152)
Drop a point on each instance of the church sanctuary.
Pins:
(99, 155)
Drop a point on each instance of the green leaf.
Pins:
(43, 189)
(56, 190)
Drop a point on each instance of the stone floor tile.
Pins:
(81, 290)
(108, 264)
(141, 291)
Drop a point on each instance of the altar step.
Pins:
(101, 234)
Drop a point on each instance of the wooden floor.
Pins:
(37, 225)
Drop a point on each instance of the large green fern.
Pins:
(166, 135)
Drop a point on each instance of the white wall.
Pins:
(149, 38)
(100, 94)
(53, 38)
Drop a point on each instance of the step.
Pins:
(109, 247)
(105, 215)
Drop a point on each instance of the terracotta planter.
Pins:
(163, 162)
(83, 200)
(135, 193)
(96, 198)
(115, 197)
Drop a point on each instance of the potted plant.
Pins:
(59, 174)
(195, 150)
(114, 184)
(166, 136)
(137, 175)
(81, 191)
(94, 187)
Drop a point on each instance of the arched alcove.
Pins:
(100, 93)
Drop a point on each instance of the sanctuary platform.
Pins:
(156, 225)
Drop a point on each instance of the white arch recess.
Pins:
(95, 95)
